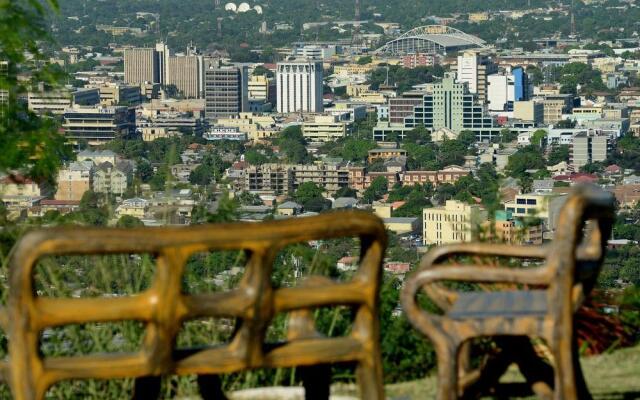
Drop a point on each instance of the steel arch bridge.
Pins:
(430, 39)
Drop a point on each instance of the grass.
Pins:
(613, 376)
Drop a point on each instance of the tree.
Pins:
(128, 221)
(508, 136)
(293, 145)
(227, 210)
(364, 60)
(376, 189)
(202, 175)
(355, 149)
(307, 191)
(144, 171)
(316, 204)
(346, 191)
(526, 158)
(558, 154)
(31, 146)
(538, 136)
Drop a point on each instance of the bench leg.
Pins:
(569, 381)
(447, 372)
(316, 381)
(369, 376)
(147, 388)
(210, 387)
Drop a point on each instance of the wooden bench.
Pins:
(163, 307)
(540, 304)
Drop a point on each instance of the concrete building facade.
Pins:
(225, 90)
(455, 222)
(299, 86)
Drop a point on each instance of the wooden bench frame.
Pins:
(572, 264)
(163, 307)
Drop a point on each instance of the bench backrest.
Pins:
(163, 307)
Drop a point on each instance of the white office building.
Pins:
(299, 86)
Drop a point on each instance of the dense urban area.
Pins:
(452, 121)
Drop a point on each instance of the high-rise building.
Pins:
(141, 65)
(455, 222)
(97, 125)
(299, 86)
(146, 64)
(163, 55)
(473, 68)
(452, 106)
(185, 72)
(225, 90)
(503, 89)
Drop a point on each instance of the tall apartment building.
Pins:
(98, 124)
(327, 176)
(452, 106)
(225, 90)
(588, 147)
(141, 65)
(455, 222)
(186, 73)
(473, 67)
(269, 178)
(299, 86)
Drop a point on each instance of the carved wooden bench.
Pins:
(163, 307)
(542, 305)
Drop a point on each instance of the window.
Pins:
(531, 202)
(521, 210)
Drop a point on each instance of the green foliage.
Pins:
(508, 136)
(128, 221)
(292, 146)
(538, 136)
(593, 168)
(558, 154)
(350, 149)
(346, 191)
(364, 60)
(249, 199)
(376, 190)
(416, 199)
(31, 146)
(307, 191)
(573, 74)
(528, 157)
(404, 78)
(227, 210)
(627, 153)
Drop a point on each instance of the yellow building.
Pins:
(324, 128)
(455, 222)
(135, 207)
(479, 17)
(255, 126)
